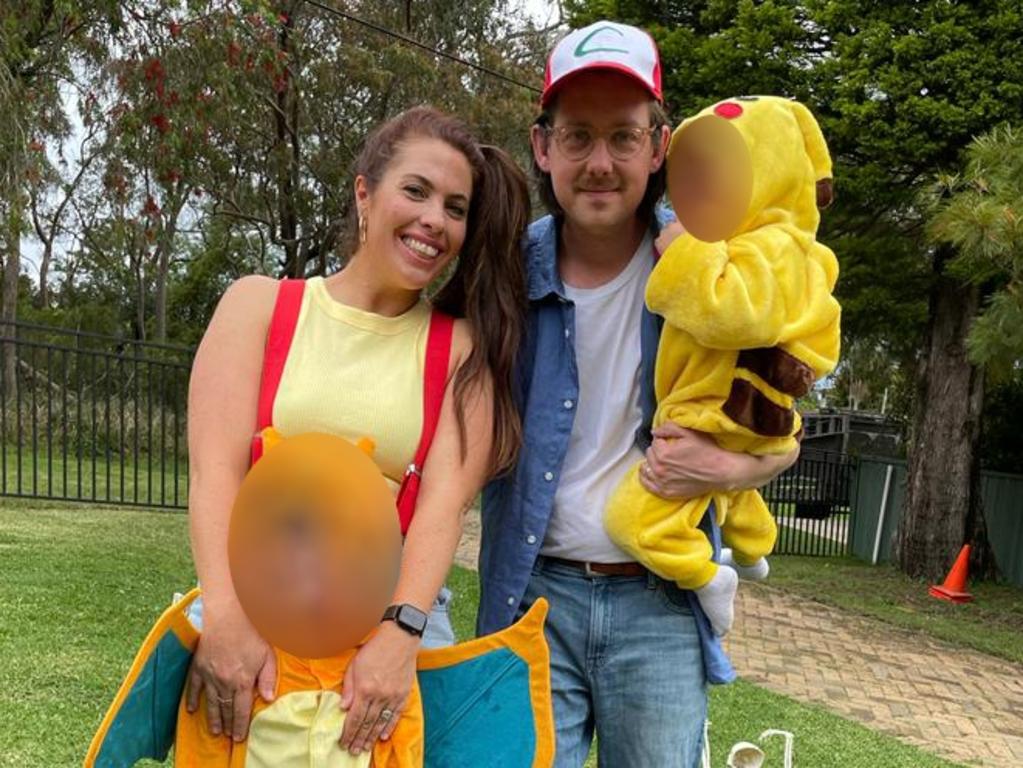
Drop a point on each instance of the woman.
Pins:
(425, 194)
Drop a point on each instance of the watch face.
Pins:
(411, 618)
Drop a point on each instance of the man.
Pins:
(627, 660)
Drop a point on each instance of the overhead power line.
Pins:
(411, 41)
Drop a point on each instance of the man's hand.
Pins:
(684, 463)
(669, 232)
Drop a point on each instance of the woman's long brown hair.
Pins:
(487, 285)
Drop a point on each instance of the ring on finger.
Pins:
(224, 700)
(386, 714)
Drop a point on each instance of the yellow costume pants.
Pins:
(300, 728)
(664, 536)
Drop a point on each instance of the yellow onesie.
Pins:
(750, 325)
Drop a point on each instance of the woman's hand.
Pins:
(230, 661)
(376, 687)
(684, 463)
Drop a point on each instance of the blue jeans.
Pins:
(626, 663)
(439, 632)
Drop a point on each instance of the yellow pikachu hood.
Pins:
(790, 180)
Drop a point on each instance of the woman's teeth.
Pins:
(421, 248)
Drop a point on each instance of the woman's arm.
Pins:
(222, 396)
(684, 463)
(380, 677)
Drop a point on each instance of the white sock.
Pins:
(756, 572)
(717, 598)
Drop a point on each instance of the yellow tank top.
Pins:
(356, 374)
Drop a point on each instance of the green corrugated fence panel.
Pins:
(1002, 496)
(1003, 510)
(870, 485)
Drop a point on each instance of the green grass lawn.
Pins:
(80, 586)
(806, 542)
(143, 480)
(993, 623)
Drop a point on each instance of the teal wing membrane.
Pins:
(488, 701)
(485, 702)
(141, 721)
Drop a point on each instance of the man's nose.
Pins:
(600, 161)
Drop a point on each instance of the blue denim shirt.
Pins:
(517, 507)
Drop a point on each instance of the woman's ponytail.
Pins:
(488, 288)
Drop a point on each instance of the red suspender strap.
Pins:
(278, 342)
(435, 376)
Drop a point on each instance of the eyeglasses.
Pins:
(576, 142)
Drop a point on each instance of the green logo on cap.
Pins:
(582, 50)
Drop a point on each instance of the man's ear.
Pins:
(660, 148)
(539, 140)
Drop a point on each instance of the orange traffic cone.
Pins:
(954, 588)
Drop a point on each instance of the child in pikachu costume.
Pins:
(750, 325)
(314, 548)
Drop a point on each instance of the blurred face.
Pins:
(314, 546)
(416, 214)
(710, 178)
(600, 152)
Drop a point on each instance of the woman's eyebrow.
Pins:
(425, 182)
(418, 179)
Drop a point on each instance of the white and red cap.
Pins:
(604, 45)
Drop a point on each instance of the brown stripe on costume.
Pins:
(786, 373)
(752, 409)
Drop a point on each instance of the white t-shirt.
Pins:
(602, 446)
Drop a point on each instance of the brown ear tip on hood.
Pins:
(825, 193)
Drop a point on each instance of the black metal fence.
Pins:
(92, 418)
(811, 503)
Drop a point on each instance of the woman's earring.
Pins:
(363, 224)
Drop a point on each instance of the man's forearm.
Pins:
(751, 471)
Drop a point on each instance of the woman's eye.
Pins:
(457, 211)
(415, 191)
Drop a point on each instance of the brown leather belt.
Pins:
(601, 569)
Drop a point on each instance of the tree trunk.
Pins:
(160, 294)
(165, 249)
(286, 150)
(140, 299)
(44, 275)
(943, 506)
(9, 307)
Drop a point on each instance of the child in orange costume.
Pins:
(321, 517)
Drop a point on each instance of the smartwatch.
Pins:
(408, 617)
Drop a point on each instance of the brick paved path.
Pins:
(961, 704)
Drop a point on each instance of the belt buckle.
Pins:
(588, 570)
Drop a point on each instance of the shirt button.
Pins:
(531, 539)
(567, 333)
(569, 404)
(511, 601)
(548, 476)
